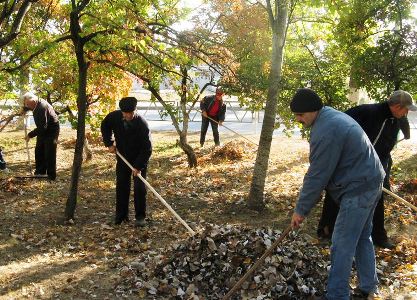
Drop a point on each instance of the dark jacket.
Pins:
(374, 117)
(133, 138)
(208, 101)
(2, 162)
(46, 121)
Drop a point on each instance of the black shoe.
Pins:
(324, 233)
(359, 294)
(120, 221)
(384, 244)
(140, 222)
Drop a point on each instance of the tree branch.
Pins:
(35, 54)
(17, 22)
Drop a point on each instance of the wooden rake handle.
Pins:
(237, 133)
(403, 201)
(158, 196)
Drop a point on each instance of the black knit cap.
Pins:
(128, 104)
(305, 100)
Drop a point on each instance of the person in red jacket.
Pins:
(213, 111)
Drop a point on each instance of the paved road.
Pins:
(247, 127)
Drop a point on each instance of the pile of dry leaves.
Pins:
(10, 185)
(231, 151)
(208, 265)
(409, 186)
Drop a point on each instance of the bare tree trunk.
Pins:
(189, 151)
(87, 151)
(79, 144)
(279, 27)
(79, 43)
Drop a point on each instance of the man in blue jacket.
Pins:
(132, 138)
(381, 123)
(213, 111)
(342, 161)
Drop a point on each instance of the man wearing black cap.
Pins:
(381, 123)
(342, 161)
(213, 111)
(132, 139)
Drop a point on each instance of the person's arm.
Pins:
(324, 157)
(107, 133)
(203, 106)
(222, 113)
(404, 127)
(40, 114)
(143, 157)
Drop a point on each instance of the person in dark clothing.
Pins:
(213, 111)
(132, 138)
(2, 161)
(382, 123)
(46, 133)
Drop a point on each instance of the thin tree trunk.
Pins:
(82, 110)
(87, 151)
(279, 27)
(79, 145)
(189, 151)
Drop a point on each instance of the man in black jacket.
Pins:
(213, 111)
(132, 138)
(46, 132)
(381, 122)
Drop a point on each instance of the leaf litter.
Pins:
(215, 190)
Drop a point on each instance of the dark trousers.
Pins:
(331, 209)
(123, 183)
(45, 155)
(214, 127)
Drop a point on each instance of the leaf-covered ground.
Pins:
(42, 258)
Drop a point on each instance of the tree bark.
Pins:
(189, 151)
(279, 28)
(12, 18)
(79, 43)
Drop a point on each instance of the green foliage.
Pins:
(389, 65)
(312, 58)
(379, 39)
